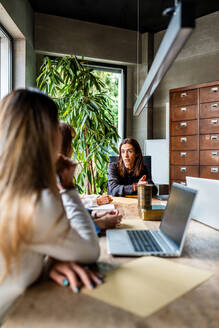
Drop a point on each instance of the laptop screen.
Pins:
(177, 212)
(206, 206)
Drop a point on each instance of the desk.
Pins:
(47, 305)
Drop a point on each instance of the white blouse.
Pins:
(73, 240)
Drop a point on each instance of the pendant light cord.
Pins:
(138, 42)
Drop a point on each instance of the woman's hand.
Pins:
(109, 220)
(99, 214)
(104, 199)
(143, 181)
(74, 275)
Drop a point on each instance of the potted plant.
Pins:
(83, 102)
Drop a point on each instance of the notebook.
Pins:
(206, 206)
(168, 240)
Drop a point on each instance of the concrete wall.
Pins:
(58, 35)
(196, 63)
(140, 127)
(18, 19)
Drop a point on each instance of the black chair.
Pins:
(146, 159)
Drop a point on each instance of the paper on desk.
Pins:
(105, 207)
(147, 284)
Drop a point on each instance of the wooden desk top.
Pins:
(46, 305)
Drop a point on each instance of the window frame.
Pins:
(9, 59)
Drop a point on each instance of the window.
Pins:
(5, 62)
(116, 73)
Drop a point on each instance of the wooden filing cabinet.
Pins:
(194, 132)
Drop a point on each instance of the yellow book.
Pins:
(152, 214)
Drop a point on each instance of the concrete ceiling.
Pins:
(120, 13)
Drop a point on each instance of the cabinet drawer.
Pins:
(209, 141)
(180, 172)
(184, 158)
(209, 94)
(184, 143)
(184, 128)
(209, 157)
(209, 172)
(184, 98)
(209, 110)
(184, 113)
(209, 125)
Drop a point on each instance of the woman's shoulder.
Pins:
(113, 166)
(48, 205)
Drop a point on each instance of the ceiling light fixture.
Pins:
(179, 29)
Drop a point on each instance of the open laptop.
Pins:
(168, 240)
(206, 205)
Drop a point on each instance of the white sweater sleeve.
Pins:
(67, 240)
(89, 200)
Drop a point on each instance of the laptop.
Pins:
(206, 205)
(168, 240)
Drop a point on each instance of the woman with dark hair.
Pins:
(105, 219)
(68, 134)
(129, 171)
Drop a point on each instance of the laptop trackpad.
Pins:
(118, 242)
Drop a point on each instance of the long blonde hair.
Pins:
(28, 141)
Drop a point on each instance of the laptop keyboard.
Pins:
(143, 241)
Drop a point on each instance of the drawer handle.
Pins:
(183, 124)
(183, 154)
(183, 94)
(183, 109)
(214, 105)
(214, 89)
(214, 121)
(213, 137)
(214, 153)
(184, 139)
(214, 170)
(183, 169)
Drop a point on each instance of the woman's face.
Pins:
(128, 155)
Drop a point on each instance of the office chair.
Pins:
(146, 159)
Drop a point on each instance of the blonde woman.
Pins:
(32, 219)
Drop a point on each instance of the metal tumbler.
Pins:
(145, 197)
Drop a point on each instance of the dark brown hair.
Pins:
(138, 165)
(68, 133)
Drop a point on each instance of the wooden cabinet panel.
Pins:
(209, 110)
(180, 172)
(209, 172)
(184, 143)
(184, 157)
(209, 141)
(184, 128)
(209, 157)
(209, 125)
(184, 98)
(194, 132)
(209, 94)
(184, 113)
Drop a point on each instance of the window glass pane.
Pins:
(5, 63)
